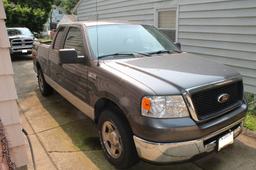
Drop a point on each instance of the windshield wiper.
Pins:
(161, 52)
(140, 53)
(123, 54)
(165, 51)
(115, 54)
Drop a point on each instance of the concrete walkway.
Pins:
(64, 139)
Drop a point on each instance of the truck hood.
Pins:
(182, 70)
(20, 37)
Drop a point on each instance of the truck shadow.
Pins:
(83, 133)
(17, 58)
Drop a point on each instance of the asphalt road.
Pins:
(63, 138)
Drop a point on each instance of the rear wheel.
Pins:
(44, 88)
(116, 140)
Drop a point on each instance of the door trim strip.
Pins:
(78, 103)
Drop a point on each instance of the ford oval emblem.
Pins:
(223, 98)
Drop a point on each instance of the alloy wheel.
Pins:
(112, 139)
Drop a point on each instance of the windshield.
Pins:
(19, 31)
(114, 39)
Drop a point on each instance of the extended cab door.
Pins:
(54, 63)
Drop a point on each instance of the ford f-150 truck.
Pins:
(148, 99)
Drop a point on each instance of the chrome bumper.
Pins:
(19, 50)
(181, 151)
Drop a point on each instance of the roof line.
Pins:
(74, 11)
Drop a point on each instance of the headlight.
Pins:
(164, 107)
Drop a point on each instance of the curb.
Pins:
(249, 133)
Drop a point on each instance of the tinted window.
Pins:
(58, 39)
(13, 32)
(74, 40)
(19, 31)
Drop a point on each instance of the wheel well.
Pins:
(105, 103)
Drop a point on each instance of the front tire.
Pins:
(117, 140)
(44, 87)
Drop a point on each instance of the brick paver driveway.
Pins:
(63, 138)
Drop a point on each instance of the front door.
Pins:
(74, 76)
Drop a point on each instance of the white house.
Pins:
(55, 16)
(10, 126)
(219, 30)
(67, 19)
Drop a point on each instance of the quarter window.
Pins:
(74, 40)
(58, 40)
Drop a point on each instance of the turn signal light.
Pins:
(146, 104)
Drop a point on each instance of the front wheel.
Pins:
(45, 88)
(116, 140)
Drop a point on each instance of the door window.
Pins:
(74, 40)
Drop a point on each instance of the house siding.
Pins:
(223, 31)
(220, 30)
(135, 11)
(9, 114)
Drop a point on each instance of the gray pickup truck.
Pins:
(148, 99)
(21, 40)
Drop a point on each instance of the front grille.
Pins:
(28, 41)
(16, 41)
(206, 102)
(16, 44)
(22, 42)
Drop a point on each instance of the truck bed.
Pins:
(43, 50)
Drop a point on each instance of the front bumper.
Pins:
(21, 50)
(182, 151)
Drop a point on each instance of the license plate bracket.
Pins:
(225, 140)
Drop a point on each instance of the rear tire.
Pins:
(117, 140)
(44, 87)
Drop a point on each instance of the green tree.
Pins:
(27, 13)
(67, 5)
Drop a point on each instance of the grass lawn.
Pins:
(45, 40)
(250, 120)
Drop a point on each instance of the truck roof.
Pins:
(94, 23)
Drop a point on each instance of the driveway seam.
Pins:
(56, 127)
(86, 150)
(41, 143)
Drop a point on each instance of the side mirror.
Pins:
(36, 35)
(69, 56)
(178, 45)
